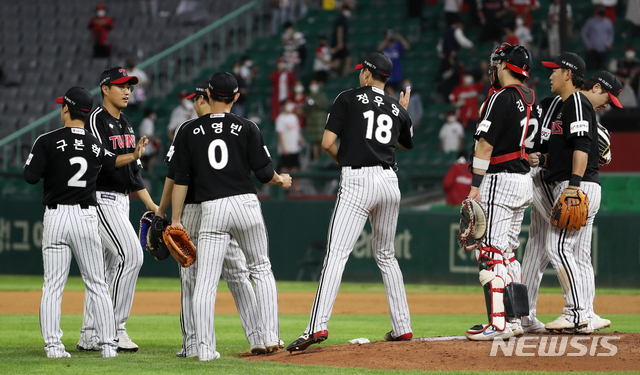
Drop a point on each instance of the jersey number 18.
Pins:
(384, 124)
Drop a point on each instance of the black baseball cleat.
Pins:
(405, 337)
(306, 340)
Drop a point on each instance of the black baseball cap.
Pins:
(116, 76)
(223, 84)
(611, 84)
(568, 60)
(77, 98)
(201, 89)
(378, 63)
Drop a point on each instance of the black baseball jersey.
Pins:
(550, 110)
(369, 123)
(171, 173)
(576, 119)
(503, 124)
(218, 151)
(69, 160)
(116, 136)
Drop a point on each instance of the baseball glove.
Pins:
(145, 224)
(564, 216)
(604, 145)
(180, 245)
(155, 241)
(473, 224)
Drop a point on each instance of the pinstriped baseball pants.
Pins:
(68, 230)
(368, 192)
(123, 260)
(570, 254)
(235, 273)
(240, 217)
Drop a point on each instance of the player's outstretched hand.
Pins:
(139, 151)
(475, 194)
(285, 181)
(534, 159)
(404, 98)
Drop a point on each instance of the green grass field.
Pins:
(21, 344)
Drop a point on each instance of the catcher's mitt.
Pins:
(473, 224)
(145, 224)
(604, 145)
(564, 216)
(155, 242)
(180, 245)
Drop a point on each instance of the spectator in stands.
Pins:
(239, 106)
(491, 14)
(100, 26)
(448, 76)
(322, 63)
(633, 16)
(299, 98)
(609, 8)
(282, 81)
(597, 36)
(181, 113)
(315, 111)
(138, 96)
(452, 11)
(451, 133)
(393, 46)
(294, 44)
(290, 140)
(148, 129)
(247, 70)
(628, 72)
(509, 35)
(340, 48)
(465, 97)
(553, 26)
(457, 181)
(454, 38)
(523, 9)
(279, 13)
(523, 33)
(416, 108)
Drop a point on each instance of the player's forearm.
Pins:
(146, 199)
(125, 159)
(177, 202)
(329, 144)
(332, 151)
(483, 155)
(165, 201)
(580, 159)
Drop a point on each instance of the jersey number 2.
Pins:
(224, 154)
(383, 131)
(76, 181)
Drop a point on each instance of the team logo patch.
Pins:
(31, 157)
(77, 131)
(484, 126)
(579, 126)
(545, 134)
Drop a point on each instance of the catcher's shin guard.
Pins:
(494, 297)
(516, 300)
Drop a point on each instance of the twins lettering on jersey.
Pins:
(123, 141)
(556, 127)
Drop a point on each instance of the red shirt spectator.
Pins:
(465, 97)
(282, 81)
(457, 182)
(523, 9)
(100, 25)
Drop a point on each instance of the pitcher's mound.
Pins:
(598, 352)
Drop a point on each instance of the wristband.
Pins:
(543, 160)
(476, 180)
(480, 164)
(575, 180)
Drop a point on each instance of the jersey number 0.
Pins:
(224, 154)
(384, 124)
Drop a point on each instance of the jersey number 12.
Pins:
(383, 130)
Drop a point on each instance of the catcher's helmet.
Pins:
(516, 58)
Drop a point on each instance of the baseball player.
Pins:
(234, 267)
(230, 208)
(505, 137)
(123, 255)
(573, 162)
(69, 160)
(369, 123)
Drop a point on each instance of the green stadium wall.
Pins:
(426, 246)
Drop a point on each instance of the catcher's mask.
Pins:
(516, 58)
